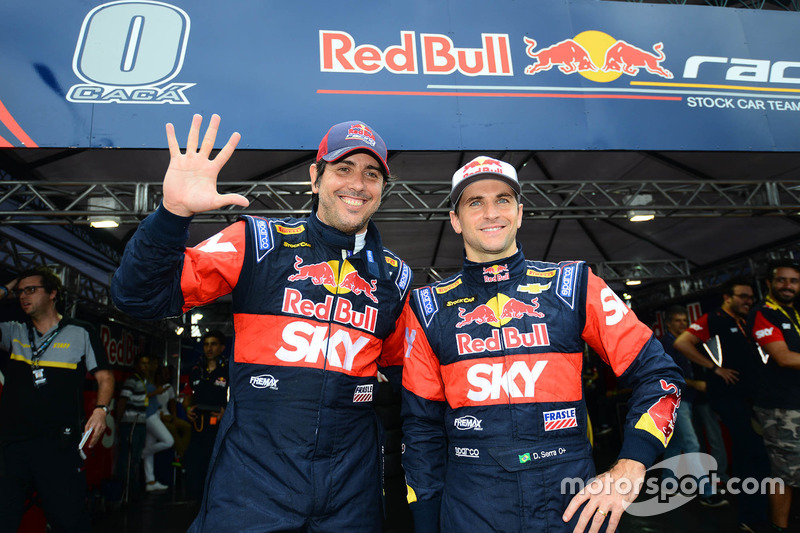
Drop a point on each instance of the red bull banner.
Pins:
(450, 75)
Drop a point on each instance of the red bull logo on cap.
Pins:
(481, 165)
(361, 132)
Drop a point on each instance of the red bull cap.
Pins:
(347, 137)
(480, 168)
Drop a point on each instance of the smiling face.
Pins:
(488, 219)
(349, 192)
(784, 285)
(740, 301)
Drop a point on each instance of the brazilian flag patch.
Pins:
(524, 458)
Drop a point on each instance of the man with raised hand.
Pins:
(494, 417)
(315, 301)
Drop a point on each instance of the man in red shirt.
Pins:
(733, 368)
(776, 329)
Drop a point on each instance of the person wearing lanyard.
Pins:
(733, 369)
(776, 328)
(42, 417)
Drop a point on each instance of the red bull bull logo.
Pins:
(567, 55)
(626, 58)
(358, 285)
(659, 420)
(361, 132)
(483, 314)
(516, 309)
(497, 312)
(318, 273)
(325, 275)
(481, 165)
(495, 273)
(596, 56)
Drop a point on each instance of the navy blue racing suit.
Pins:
(493, 406)
(298, 446)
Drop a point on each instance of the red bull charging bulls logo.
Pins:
(325, 274)
(659, 420)
(597, 56)
(495, 273)
(498, 311)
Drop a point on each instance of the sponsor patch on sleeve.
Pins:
(448, 287)
(264, 242)
(560, 419)
(286, 230)
(427, 303)
(566, 283)
(403, 278)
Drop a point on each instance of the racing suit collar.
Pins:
(371, 254)
(508, 268)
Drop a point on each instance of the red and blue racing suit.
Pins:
(298, 446)
(493, 406)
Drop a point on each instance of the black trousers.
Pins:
(748, 454)
(52, 467)
(197, 458)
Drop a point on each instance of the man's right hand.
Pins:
(190, 184)
(190, 414)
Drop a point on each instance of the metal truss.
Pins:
(25, 202)
(662, 293)
(788, 5)
(642, 270)
(79, 289)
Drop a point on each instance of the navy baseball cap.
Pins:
(352, 136)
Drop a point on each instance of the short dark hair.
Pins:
(728, 286)
(50, 280)
(321, 164)
(675, 310)
(781, 263)
(217, 334)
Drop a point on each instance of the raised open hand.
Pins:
(190, 184)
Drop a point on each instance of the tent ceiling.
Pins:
(712, 208)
